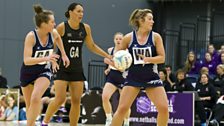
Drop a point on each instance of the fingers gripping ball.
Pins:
(122, 60)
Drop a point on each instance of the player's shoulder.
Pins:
(55, 32)
(61, 25)
(109, 50)
(30, 34)
(86, 25)
(61, 28)
(128, 36)
(30, 37)
(156, 34)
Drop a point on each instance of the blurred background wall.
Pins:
(184, 25)
(104, 16)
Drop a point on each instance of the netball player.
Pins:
(146, 48)
(74, 34)
(114, 81)
(36, 71)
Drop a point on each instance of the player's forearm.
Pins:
(96, 49)
(61, 48)
(34, 61)
(155, 60)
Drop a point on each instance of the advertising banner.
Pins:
(181, 109)
(144, 113)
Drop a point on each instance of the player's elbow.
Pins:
(26, 61)
(92, 48)
(162, 59)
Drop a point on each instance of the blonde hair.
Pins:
(221, 66)
(136, 15)
(189, 64)
(118, 33)
(204, 70)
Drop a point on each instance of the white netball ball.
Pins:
(122, 60)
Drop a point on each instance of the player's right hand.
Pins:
(53, 57)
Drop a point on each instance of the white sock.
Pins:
(109, 116)
(126, 121)
(44, 123)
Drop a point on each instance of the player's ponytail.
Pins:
(132, 20)
(37, 8)
(41, 15)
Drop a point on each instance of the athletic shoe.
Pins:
(59, 119)
(108, 122)
(214, 122)
(62, 109)
(126, 124)
(44, 124)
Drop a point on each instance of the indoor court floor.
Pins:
(3, 123)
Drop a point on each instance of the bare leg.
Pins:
(161, 103)
(126, 120)
(40, 86)
(44, 101)
(60, 97)
(128, 114)
(128, 95)
(27, 92)
(76, 90)
(108, 91)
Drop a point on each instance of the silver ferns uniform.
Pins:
(140, 74)
(29, 73)
(73, 40)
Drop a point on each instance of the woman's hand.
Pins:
(107, 71)
(109, 61)
(55, 66)
(66, 61)
(144, 58)
(53, 57)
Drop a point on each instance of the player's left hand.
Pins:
(141, 56)
(144, 58)
(55, 66)
(107, 71)
(109, 61)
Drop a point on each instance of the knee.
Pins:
(105, 98)
(163, 108)
(35, 99)
(45, 100)
(122, 109)
(60, 100)
(75, 101)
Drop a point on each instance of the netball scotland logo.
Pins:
(144, 105)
